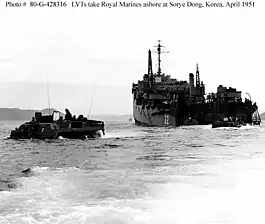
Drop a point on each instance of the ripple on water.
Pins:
(135, 175)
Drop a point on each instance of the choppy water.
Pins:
(136, 175)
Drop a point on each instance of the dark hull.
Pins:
(153, 117)
(64, 134)
(68, 134)
(220, 124)
(16, 134)
(57, 130)
(193, 115)
(146, 117)
(73, 134)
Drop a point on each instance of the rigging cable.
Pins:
(48, 92)
(91, 102)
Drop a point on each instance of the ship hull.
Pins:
(196, 116)
(150, 117)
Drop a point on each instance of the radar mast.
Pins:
(198, 84)
(159, 46)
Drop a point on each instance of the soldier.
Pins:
(33, 120)
(68, 115)
(80, 117)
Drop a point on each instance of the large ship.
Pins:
(159, 100)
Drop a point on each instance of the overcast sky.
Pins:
(108, 47)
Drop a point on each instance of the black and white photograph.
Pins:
(132, 112)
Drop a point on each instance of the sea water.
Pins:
(135, 175)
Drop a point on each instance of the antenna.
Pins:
(159, 46)
(197, 76)
(91, 102)
(249, 96)
(48, 92)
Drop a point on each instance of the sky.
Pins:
(82, 49)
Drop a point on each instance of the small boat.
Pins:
(190, 121)
(228, 123)
(256, 120)
(53, 127)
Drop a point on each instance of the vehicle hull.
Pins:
(55, 130)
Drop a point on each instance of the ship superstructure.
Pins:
(159, 100)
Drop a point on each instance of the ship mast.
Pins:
(159, 46)
(159, 59)
(197, 76)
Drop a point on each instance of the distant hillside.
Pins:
(15, 114)
(102, 117)
(22, 115)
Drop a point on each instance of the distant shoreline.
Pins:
(16, 114)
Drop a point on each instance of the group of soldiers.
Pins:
(69, 117)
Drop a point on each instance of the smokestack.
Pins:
(191, 80)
